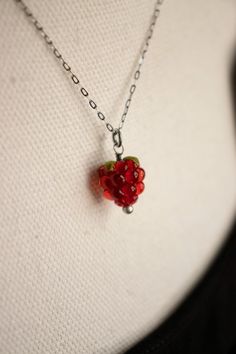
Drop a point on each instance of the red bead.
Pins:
(106, 183)
(117, 193)
(131, 176)
(128, 189)
(119, 202)
(119, 166)
(141, 174)
(102, 171)
(129, 165)
(129, 200)
(119, 180)
(107, 194)
(126, 201)
(140, 187)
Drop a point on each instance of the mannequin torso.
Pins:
(77, 272)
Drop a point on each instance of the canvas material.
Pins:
(77, 275)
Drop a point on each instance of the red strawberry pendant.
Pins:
(122, 181)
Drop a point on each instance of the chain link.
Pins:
(144, 50)
(76, 80)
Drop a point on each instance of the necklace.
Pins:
(122, 179)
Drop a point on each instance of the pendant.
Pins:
(122, 180)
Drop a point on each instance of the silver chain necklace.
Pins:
(121, 180)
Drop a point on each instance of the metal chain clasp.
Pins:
(116, 136)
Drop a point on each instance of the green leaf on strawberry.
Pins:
(133, 158)
(109, 165)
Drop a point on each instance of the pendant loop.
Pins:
(118, 151)
(118, 147)
(116, 136)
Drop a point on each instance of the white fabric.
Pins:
(77, 275)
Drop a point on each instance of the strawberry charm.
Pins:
(122, 181)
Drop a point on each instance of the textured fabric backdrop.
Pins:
(77, 275)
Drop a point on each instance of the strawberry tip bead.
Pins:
(128, 209)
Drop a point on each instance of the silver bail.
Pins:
(118, 147)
